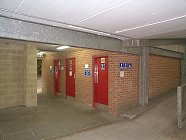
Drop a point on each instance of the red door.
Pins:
(101, 80)
(70, 77)
(57, 77)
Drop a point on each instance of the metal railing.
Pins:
(181, 105)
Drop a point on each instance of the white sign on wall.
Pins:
(86, 66)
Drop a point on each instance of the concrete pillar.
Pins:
(30, 94)
(180, 106)
(183, 67)
(143, 75)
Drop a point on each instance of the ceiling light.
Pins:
(62, 47)
(102, 12)
(153, 13)
(40, 54)
(151, 24)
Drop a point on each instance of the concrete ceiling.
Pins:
(145, 19)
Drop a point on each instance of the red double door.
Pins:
(57, 77)
(101, 80)
(70, 77)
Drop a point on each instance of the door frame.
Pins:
(66, 76)
(93, 65)
(59, 82)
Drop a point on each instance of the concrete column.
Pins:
(30, 94)
(180, 106)
(183, 67)
(143, 75)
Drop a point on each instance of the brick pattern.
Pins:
(164, 74)
(119, 93)
(30, 86)
(18, 75)
(11, 75)
(47, 77)
(123, 91)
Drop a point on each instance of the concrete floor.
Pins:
(53, 117)
(157, 123)
(58, 119)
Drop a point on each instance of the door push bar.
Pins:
(96, 77)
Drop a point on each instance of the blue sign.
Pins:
(125, 65)
(121, 65)
(102, 66)
(87, 73)
(130, 66)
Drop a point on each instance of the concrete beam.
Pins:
(153, 42)
(134, 46)
(165, 42)
(163, 52)
(131, 50)
(183, 68)
(28, 31)
(135, 42)
(143, 76)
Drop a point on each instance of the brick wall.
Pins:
(30, 76)
(47, 77)
(121, 90)
(164, 74)
(17, 83)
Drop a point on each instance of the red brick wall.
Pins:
(47, 78)
(164, 74)
(121, 90)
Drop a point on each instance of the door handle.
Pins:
(74, 76)
(96, 77)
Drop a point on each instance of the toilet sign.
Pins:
(87, 73)
(121, 65)
(130, 66)
(102, 66)
(125, 65)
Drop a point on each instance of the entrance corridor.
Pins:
(52, 117)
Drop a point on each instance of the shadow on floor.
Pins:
(54, 116)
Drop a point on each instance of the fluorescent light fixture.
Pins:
(40, 52)
(89, 30)
(104, 11)
(62, 47)
(151, 24)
